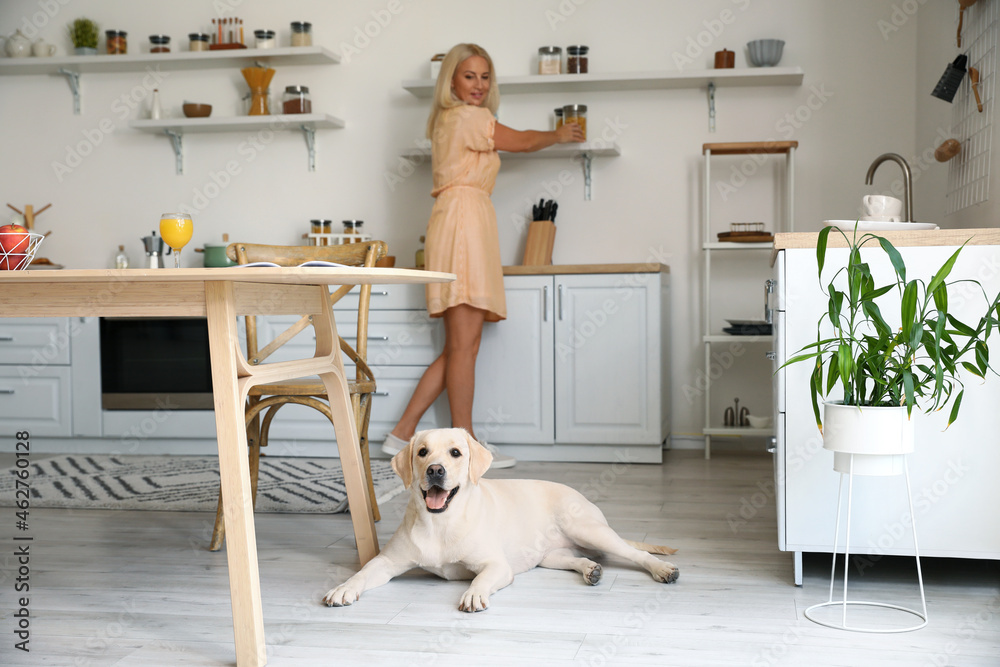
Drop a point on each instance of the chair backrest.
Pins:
(350, 254)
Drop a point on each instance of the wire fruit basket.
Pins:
(16, 254)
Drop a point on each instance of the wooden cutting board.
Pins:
(538, 247)
(746, 237)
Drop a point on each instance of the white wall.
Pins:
(856, 102)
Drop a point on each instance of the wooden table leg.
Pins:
(355, 477)
(237, 501)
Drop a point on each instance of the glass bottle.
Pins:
(121, 259)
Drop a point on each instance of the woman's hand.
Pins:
(569, 133)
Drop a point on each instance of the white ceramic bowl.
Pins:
(765, 52)
(758, 422)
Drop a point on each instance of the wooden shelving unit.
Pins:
(709, 247)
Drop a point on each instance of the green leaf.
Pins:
(943, 272)
(908, 388)
(897, 260)
(908, 309)
(962, 328)
(955, 407)
(821, 242)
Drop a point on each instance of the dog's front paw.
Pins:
(342, 596)
(474, 600)
(593, 575)
(665, 573)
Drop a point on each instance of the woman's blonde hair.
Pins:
(444, 98)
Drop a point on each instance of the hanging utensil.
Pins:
(962, 6)
(949, 82)
(974, 80)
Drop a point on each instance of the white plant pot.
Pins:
(878, 437)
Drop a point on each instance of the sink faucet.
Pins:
(907, 181)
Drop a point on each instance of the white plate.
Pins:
(877, 226)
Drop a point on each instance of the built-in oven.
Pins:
(148, 363)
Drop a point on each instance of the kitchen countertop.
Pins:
(937, 237)
(564, 269)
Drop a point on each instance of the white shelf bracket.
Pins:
(310, 135)
(587, 159)
(177, 141)
(711, 107)
(73, 79)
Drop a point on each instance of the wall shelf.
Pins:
(176, 128)
(586, 152)
(73, 66)
(618, 81)
(169, 62)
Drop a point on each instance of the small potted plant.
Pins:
(83, 33)
(885, 371)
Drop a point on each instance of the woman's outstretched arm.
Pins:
(528, 141)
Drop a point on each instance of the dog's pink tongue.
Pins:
(436, 497)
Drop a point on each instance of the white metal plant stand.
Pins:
(844, 602)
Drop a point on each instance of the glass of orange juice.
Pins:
(176, 230)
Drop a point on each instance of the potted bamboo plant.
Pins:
(83, 33)
(883, 371)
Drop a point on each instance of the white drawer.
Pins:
(388, 297)
(34, 341)
(38, 403)
(395, 337)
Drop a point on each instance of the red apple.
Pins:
(13, 246)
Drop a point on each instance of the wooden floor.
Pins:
(139, 588)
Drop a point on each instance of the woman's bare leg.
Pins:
(429, 387)
(454, 369)
(463, 327)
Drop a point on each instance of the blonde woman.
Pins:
(462, 231)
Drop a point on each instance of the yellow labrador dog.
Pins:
(460, 526)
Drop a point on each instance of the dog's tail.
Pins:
(652, 548)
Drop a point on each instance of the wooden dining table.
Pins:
(221, 295)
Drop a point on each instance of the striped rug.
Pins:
(186, 483)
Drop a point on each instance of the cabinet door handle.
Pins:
(771, 355)
(355, 337)
(560, 299)
(6, 339)
(769, 286)
(6, 391)
(381, 393)
(545, 303)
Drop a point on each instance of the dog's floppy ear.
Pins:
(402, 463)
(480, 459)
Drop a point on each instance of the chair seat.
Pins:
(307, 387)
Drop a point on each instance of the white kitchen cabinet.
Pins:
(581, 365)
(48, 376)
(955, 495)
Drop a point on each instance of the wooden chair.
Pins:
(269, 398)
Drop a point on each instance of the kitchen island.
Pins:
(955, 495)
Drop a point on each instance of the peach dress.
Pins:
(462, 233)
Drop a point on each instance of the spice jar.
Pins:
(576, 113)
(559, 117)
(550, 60)
(117, 42)
(296, 100)
(576, 59)
(301, 33)
(353, 227)
(197, 41)
(264, 39)
(320, 227)
(159, 43)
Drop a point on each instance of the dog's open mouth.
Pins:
(437, 499)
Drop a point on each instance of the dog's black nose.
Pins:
(435, 473)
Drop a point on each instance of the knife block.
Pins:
(538, 247)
